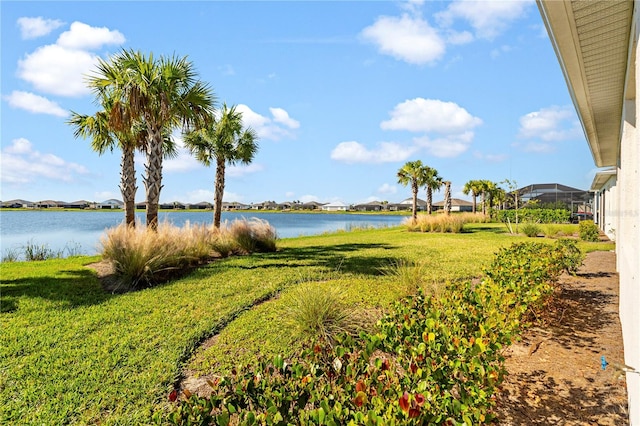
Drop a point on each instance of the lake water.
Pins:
(80, 231)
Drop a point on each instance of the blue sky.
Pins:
(341, 95)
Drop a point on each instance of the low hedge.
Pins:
(432, 360)
(534, 215)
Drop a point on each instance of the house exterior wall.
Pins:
(628, 232)
(606, 208)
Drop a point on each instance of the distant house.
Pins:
(234, 205)
(265, 205)
(374, 206)
(16, 204)
(285, 205)
(407, 204)
(311, 205)
(46, 204)
(110, 204)
(335, 207)
(457, 205)
(203, 205)
(81, 204)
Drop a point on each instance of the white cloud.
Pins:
(61, 68)
(430, 115)
(86, 37)
(279, 126)
(21, 164)
(406, 38)
(550, 124)
(56, 70)
(240, 170)
(446, 147)
(34, 103)
(387, 189)
(488, 18)
(37, 27)
(281, 116)
(386, 152)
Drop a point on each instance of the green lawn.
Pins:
(70, 353)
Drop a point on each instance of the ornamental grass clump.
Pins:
(320, 313)
(411, 275)
(141, 257)
(253, 235)
(531, 230)
(437, 223)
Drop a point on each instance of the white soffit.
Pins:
(591, 40)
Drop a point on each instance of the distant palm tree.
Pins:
(447, 197)
(105, 137)
(159, 93)
(486, 186)
(433, 182)
(223, 141)
(473, 187)
(412, 173)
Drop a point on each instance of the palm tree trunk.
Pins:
(474, 201)
(447, 197)
(218, 192)
(128, 185)
(484, 203)
(414, 189)
(153, 178)
(429, 200)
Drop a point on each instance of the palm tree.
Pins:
(223, 141)
(433, 182)
(485, 186)
(473, 187)
(161, 94)
(447, 197)
(105, 137)
(412, 173)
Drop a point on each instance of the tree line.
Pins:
(418, 175)
(143, 100)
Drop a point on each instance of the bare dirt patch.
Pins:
(555, 375)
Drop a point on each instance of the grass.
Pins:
(71, 353)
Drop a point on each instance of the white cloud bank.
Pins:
(61, 68)
(31, 28)
(20, 163)
(279, 126)
(412, 39)
(446, 130)
(34, 103)
(407, 38)
(542, 129)
(386, 152)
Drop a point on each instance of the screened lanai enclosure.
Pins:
(555, 195)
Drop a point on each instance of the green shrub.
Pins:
(534, 215)
(530, 229)
(35, 252)
(588, 231)
(411, 276)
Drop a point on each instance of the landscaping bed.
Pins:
(554, 371)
